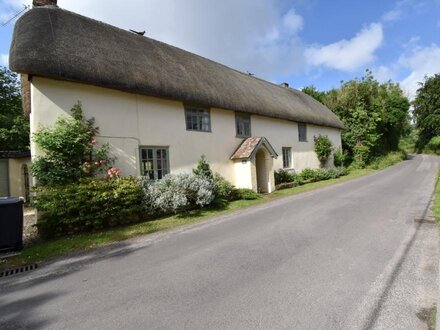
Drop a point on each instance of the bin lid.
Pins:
(11, 200)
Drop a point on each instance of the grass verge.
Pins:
(436, 207)
(45, 250)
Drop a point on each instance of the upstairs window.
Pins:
(154, 162)
(197, 119)
(242, 124)
(287, 157)
(302, 132)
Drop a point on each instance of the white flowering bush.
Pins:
(176, 193)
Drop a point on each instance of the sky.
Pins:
(301, 42)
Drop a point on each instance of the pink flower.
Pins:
(102, 161)
(113, 172)
(93, 141)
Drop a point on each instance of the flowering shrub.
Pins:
(70, 151)
(323, 148)
(176, 193)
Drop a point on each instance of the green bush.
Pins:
(223, 190)
(308, 174)
(339, 158)
(88, 205)
(323, 148)
(322, 174)
(203, 169)
(434, 145)
(283, 176)
(246, 194)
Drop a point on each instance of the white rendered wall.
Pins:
(127, 121)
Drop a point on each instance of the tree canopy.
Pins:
(14, 126)
(427, 110)
(375, 115)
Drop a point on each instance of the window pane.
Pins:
(287, 157)
(150, 153)
(164, 154)
(243, 124)
(197, 119)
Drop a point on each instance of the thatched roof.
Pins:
(55, 43)
(249, 146)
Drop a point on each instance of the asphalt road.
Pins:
(349, 256)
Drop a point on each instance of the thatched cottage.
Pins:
(159, 107)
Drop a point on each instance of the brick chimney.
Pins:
(42, 3)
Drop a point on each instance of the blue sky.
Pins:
(302, 42)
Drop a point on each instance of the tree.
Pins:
(375, 115)
(427, 110)
(14, 126)
(316, 94)
(70, 151)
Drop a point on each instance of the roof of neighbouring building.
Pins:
(59, 44)
(249, 146)
(14, 154)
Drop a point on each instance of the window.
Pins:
(242, 124)
(154, 162)
(302, 132)
(197, 119)
(287, 157)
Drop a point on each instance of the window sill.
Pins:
(196, 130)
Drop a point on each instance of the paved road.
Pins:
(348, 256)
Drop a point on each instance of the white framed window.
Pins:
(154, 162)
(287, 157)
(302, 132)
(197, 119)
(242, 124)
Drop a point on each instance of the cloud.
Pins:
(248, 35)
(420, 61)
(4, 60)
(292, 21)
(348, 55)
(392, 15)
(384, 73)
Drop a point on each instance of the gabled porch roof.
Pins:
(249, 147)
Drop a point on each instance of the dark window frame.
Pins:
(240, 123)
(160, 165)
(287, 161)
(195, 116)
(302, 132)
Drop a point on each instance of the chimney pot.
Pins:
(41, 3)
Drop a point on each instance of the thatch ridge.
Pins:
(59, 44)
